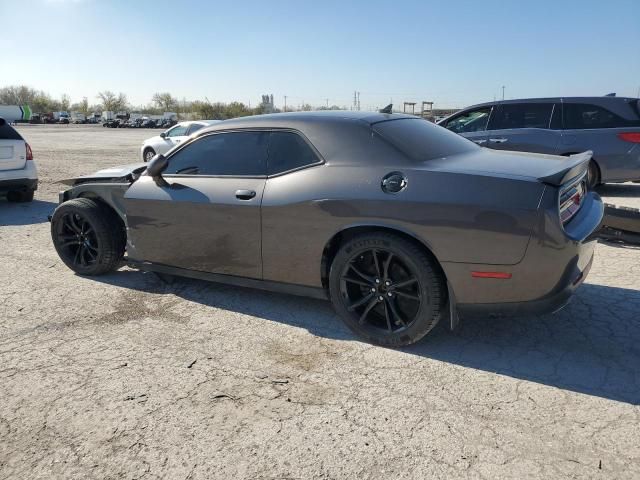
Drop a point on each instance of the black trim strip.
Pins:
(279, 287)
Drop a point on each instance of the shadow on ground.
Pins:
(591, 347)
(25, 213)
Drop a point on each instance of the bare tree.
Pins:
(164, 101)
(65, 101)
(84, 106)
(112, 102)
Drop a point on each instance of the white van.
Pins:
(18, 174)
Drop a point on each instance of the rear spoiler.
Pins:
(575, 166)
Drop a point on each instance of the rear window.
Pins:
(582, 115)
(7, 132)
(522, 115)
(422, 140)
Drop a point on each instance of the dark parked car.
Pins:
(608, 126)
(396, 220)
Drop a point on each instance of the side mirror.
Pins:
(157, 165)
(163, 135)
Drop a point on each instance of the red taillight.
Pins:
(633, 137)
(498, 275)
(29, 152)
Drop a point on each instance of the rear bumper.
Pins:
(550, 303)
(556, 263)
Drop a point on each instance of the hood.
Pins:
(120, 174)
(550, 169)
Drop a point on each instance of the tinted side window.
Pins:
(556, 117)
(522, 115)
(7, 132)
(583, 115)
(287, 151)
(473, 121)
(194, 128)
(177, 131)
(236, 154)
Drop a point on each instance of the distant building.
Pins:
(267, 103)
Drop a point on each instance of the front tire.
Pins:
(149, 153)
(387, 289)
(88, 236)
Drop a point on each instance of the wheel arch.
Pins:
(109, 197)
(338, 238)
(348, 232)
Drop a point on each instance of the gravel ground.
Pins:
(124, 376)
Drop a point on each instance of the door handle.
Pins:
(479, 142)
(245, 194)
(498, 140)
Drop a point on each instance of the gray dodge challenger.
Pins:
(397, 221)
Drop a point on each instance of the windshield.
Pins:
(422, 140)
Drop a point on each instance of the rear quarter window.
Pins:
(422, 140)
(7, 132)
(579, 116)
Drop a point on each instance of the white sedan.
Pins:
(170, 138)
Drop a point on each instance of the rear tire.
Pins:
(593, 175)
(88, 236)
(387, 289)
(21, 197)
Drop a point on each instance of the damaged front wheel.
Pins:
(88, 236)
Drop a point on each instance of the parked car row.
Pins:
(609, 126)
(141, 122)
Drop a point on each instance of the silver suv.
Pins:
(609, 126)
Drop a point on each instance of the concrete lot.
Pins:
(124, 376)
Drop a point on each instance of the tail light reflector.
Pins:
(571, 197)
(498, 275)
(633, 137)
(29, 152)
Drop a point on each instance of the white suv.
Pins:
(18, 175)
(172, 137)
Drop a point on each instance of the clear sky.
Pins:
(454, 53)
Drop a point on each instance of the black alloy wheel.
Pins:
(88, 236)
(381, 290)
(76, 240)
(387, 289)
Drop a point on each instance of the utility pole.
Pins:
(285, 103)
(502, 92)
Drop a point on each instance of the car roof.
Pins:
(291, 119)
(199, 122)
(598, 100)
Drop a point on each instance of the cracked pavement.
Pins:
(125, 376)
